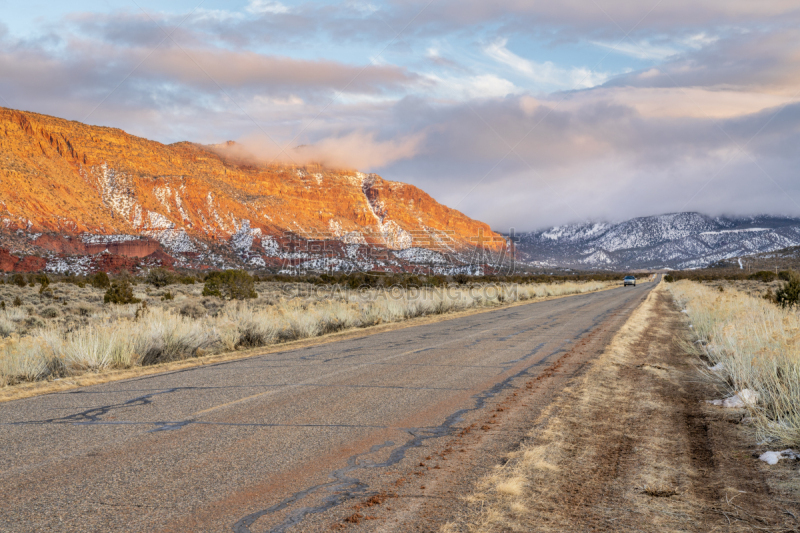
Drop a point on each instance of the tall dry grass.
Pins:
(758, 346)
(129, 336)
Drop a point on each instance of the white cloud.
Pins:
(547, 73)
(699, 40)
(640, 50)
(364, 7)
(266, 6)
(469, 87)
(291, 100)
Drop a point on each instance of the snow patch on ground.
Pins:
(739, 400)
(421, 255)
(271, 247)
(174, 240)
(772, 458)
(242, 240)
(91, 238)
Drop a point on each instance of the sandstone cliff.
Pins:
(74, 189)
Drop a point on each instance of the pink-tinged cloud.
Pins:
(356, 150)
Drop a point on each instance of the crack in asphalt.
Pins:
(345, 487)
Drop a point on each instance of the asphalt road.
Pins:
(274, 442)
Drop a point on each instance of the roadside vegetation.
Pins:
(751, 343)
(56, 328)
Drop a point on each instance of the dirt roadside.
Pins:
(628, 445)
(632, 446)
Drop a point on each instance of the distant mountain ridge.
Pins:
(676, 241)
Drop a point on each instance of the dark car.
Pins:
(629, 280)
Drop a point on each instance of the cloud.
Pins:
(357, 150)
(763, 61)
(527, 163)
(470, 87)
(545, 73)
(266, 6)
(609, 18)
(641, 50)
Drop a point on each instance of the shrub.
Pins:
(84, 309)
(120, 292)
(49, 312)
(41, 279)
(7, 327)
(193, 310)
(100, 280)
(789, 294)
(167, 296)
(230, 285)
(17, 301)
(669, 278)
(187, 280)
(33, 322)
(461, 279)
(18, 280)
(160, 277)
(784, 275)
(764, 275)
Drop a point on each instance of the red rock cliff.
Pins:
(59, 176)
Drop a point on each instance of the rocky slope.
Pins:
(678, 241)
(74, 193)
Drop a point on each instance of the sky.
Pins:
(522, 114)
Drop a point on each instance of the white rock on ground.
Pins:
(743, 398)
(719, 367)
(772, 458)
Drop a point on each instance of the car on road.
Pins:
(629, 280)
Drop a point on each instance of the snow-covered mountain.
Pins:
(677, 241)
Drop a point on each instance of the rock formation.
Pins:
(69, 190)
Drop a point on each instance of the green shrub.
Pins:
(120, 292)
(770, 296)
(187, 280)
(18, 280)
(230, 285)
(669, 278)
(764, 275)
(784, 275)
(100, 280)
(167, 296)
(160, 277)
(17, 302)
(789, 294)
(49, 312)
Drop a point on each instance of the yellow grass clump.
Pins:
(756, 346)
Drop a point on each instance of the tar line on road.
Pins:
(275, 442)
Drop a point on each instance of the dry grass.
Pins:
(758, 346)
(69, 332)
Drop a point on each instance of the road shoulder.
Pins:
(631, 446)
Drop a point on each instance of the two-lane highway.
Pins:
(272, 441)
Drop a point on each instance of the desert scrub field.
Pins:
(65, 329)
(751, 343)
